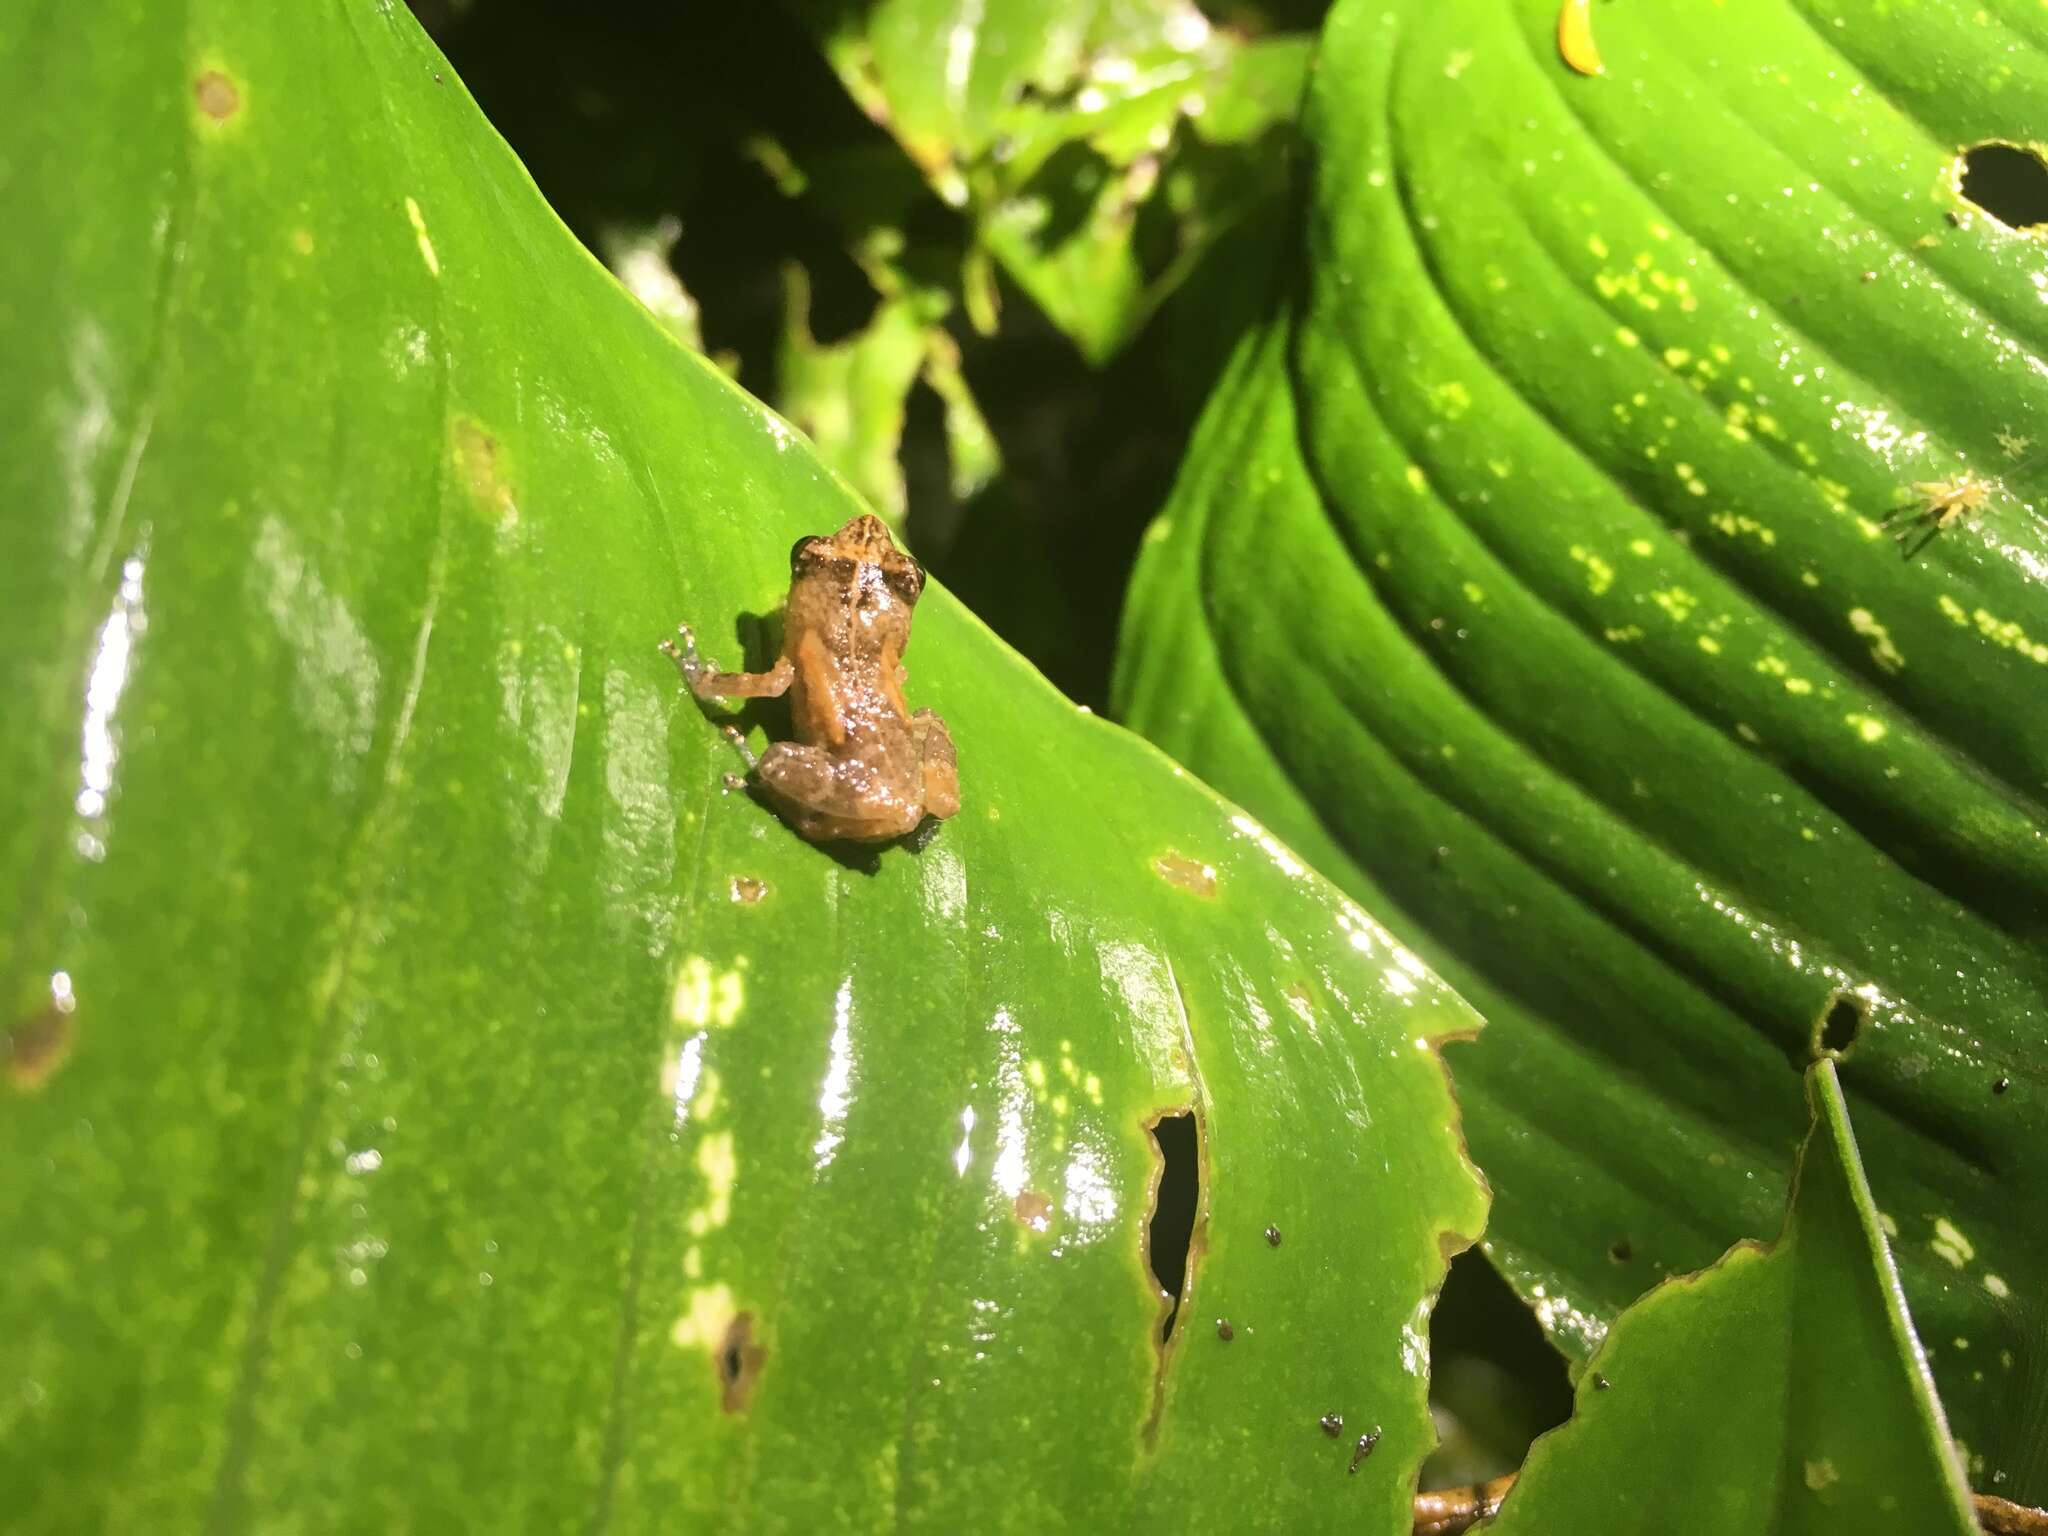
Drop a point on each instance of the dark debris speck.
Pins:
(1364, 1447)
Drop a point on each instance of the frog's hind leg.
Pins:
(823, 801)
(941, 766)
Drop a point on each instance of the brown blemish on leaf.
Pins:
(1189, 874)
(217, 96)
(37, 1047)
(1033, 1208)
(480, 460)
(738, 1359)
(746, 890)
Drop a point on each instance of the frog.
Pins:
(863, 767)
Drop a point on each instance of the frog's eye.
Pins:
(796, 551)
(906, 579)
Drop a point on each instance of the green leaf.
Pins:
(848, 396)
(851, 396)
(1837, 1427)
(1101, 147)
(1531, 578)
(417, 1063)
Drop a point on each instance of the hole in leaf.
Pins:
(1621, 1251)
(1490, 1365)
(2007, 182)
(739, 1362)
(1170, 1235)
(1835, 1032)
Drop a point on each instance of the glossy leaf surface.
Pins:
(1532, 577)
(1100, 146)
(1839, 1430)
(431, 1098)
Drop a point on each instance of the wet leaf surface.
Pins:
(1535, 577)
(1839, 1429)
(432, 1097)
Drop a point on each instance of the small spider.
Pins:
(1943, 503)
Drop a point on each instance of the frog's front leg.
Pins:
(707, 682)
(939, 764)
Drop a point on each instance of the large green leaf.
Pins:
(1530, 578)
(1100, 146)
(1839, 1428)
(430, 1098)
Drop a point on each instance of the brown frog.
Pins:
(862, 768)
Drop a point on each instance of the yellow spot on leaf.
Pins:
(1675, 601)
(709, 1314)
(419, 230)
(2007, 633)
(1950, 1244)
(479, 463)
(705, 1105)
(1882, 651)
(1736, 524)
(1599, 574)
(715, 1160)
(706, 998)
